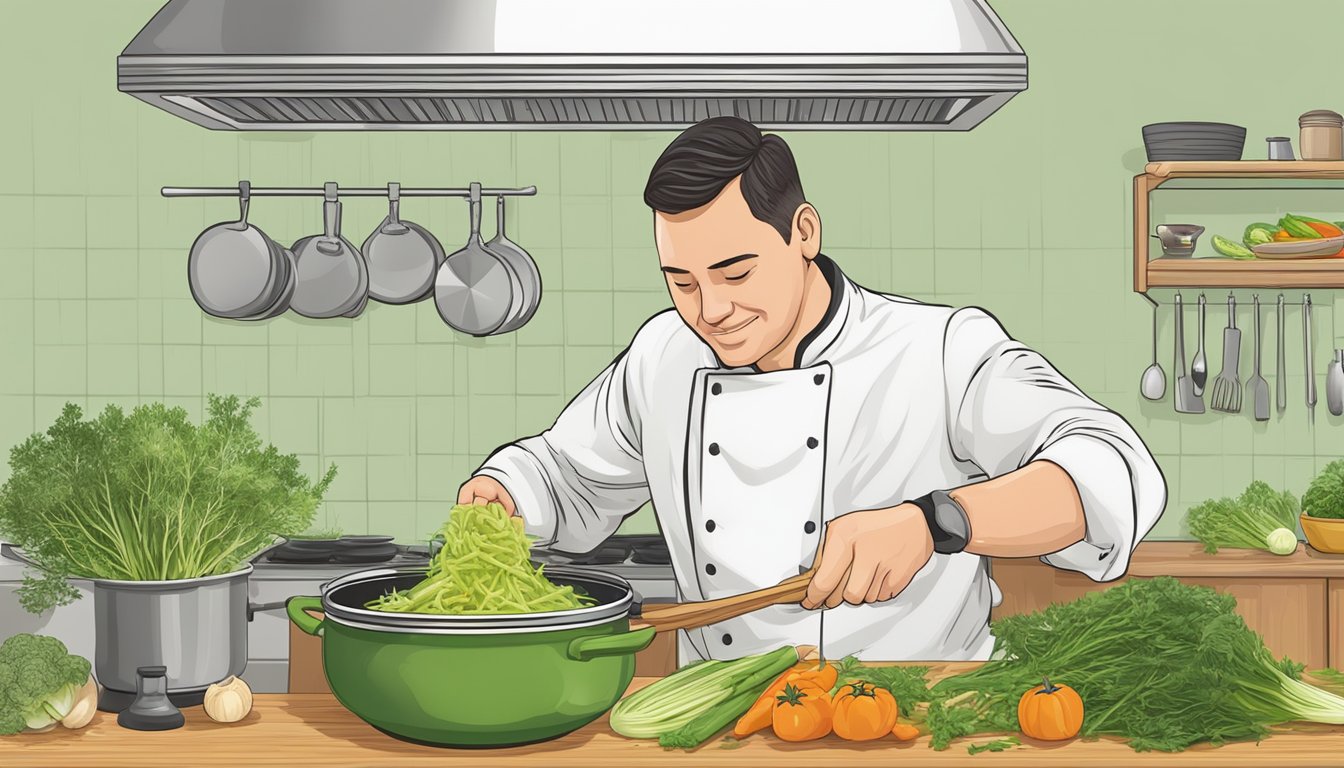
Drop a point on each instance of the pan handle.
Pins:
(596, 646)
(299, 610)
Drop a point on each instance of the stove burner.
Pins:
(350, 550)
(610, 553)
(651, 553)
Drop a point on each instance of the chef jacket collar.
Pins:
(818, 340)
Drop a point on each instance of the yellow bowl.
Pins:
(1324, 534)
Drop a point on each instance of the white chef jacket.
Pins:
(890, 399)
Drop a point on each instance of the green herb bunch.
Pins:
(149, 496)
(1325, 495)
(1157, 662)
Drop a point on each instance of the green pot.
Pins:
(474, 681)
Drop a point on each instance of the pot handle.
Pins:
(595, 646)
(298, 609)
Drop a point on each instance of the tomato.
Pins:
(802, 714)
(864, 712)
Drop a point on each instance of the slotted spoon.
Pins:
(1257, 385)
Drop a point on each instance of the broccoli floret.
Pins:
(39, 678)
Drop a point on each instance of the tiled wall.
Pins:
(1027, 215)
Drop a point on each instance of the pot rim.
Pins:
(500, 623)
(245, 571)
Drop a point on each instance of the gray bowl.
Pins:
(1193, 141)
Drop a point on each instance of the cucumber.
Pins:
(1297, 227)
(1229, 248)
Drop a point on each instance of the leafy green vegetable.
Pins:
(38, 682)
(997, 745)
(483, 568)
(1328, 678)
(1325, 495)
(907, 684)
(1246, 521)
(1160, 663)
(1258, 233)
(683, 707)
(149, 496)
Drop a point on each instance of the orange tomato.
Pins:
(864, 712)
(802, 714)
(1050, 712)
(759, 715)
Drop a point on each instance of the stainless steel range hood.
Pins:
(574, 64)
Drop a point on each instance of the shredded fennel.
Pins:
(483, 568)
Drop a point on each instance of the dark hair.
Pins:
(699, 163)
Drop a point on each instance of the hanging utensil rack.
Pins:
(528, 191)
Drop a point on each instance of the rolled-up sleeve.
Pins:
(574, 483)
(1008, 407)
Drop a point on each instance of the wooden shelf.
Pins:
(1327, 273)
(1245, 273)
(1246, 169)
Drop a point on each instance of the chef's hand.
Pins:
(869, 556)
(483, 489)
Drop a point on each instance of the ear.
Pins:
(807, 227)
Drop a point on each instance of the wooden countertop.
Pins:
(1188, 559)
(299, 729)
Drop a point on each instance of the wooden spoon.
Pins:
(665, 617)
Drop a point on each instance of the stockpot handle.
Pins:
(596, 646)
(299, 609)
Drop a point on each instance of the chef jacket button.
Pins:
(812, 442)
(727, 639)
(709, 526)
(710, 569)
(809, 527)
(713, 449)
(716, 389)
(820, 377)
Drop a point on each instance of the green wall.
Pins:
(1028, 215)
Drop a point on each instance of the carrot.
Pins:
(905, 732)
(1325, 230)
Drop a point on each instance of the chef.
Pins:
(781, 416)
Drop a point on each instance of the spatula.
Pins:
(669, 616)
(1227, 387)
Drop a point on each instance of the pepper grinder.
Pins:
(151, 710)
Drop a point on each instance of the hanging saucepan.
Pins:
(285, 287)
(332, 277)
(235, 271)
(403, 257)
(525, 302)
(474, 289)
(474, 680)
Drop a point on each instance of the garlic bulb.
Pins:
(86, 705)
(228, 701)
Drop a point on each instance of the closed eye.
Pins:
(738, 278)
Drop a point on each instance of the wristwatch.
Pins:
(948, 523)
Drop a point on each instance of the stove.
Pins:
(343, 553)
(642, 560)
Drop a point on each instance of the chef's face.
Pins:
(732, 277)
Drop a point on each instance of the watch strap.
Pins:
(945, 542)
